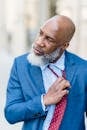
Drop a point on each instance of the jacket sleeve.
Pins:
(86, 101)
(86, 93)
(17, 109)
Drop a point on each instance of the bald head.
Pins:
(64, 26)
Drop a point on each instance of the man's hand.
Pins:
(56, 91)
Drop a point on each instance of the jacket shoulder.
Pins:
(21, 60)
(75, 58)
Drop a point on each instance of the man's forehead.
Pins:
(50, 24)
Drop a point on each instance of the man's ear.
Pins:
(65, 45)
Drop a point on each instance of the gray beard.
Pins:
(42, 60)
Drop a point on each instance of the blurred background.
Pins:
(19, 23)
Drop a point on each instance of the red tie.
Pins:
(59, 109)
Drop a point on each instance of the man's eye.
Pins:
(50, 40)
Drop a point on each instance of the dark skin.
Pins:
(55, 33)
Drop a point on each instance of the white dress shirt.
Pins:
(48, 79)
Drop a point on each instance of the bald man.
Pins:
(47, 88)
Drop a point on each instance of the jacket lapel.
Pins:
(70, 67)
(36, 75)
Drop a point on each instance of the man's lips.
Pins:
(37, 51)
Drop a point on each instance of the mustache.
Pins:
(38, 49)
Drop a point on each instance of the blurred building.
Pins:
(20, 20)
(77, 11)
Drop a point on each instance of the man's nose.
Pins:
(40, 41)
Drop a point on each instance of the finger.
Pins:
(64, 84)
(61, 85)
(56, 85)
(64, 92)
(59, 79)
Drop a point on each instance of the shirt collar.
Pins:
(60, 63)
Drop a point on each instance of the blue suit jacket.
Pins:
(25, 87)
